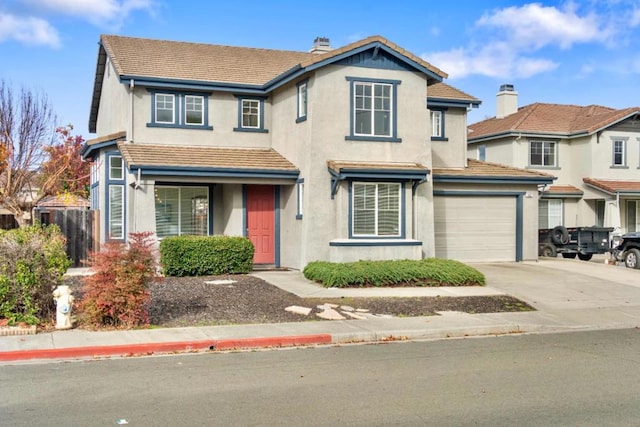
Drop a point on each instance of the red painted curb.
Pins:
(163, 347)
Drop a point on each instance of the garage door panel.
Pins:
(469, 228)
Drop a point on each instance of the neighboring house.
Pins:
(45, 207)
(593, 151)
(332, 154)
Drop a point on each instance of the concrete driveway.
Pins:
(571, 292)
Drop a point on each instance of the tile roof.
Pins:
(614, 186)
(340, 165)
(117, 136)
(444, 91)
(176, 60)
(477, 168)
(63, 200)
(563, 120)
(564, 189)
(204, 157)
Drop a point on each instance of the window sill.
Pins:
(397, 241)
(301, 119)
(439, 138)
(166, 125)
(250, 130)
(619, 167)
(543, 167)
(372, 138)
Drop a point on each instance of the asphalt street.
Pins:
(579, 379)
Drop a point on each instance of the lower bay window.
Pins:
(376, 209)
(181, 210)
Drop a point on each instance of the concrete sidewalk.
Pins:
(612, 300)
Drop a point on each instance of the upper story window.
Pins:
(373, 110)
(250, 114)
(183, 110)
(302, 102)
(116, 168)
(437, 124)
(542, 153)
(482, 152)
(619, 152)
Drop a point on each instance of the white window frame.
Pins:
(372, 109)
(113, 168)
(257, 114)
(187, 110)
(376, 233)
(622, 151)
(300, 198)
(119, 223)
(302, 100)
(179, 208)
(171, 96)
(436, 123)
(547, 147)
(555, 212)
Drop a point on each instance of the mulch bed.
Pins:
(189, 301)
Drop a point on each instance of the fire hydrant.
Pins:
(64, 302)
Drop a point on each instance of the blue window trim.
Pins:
(179, 119)
(443, 132)
(555, 154)
(403, 213)
(399, 242)
(299, 190)
(394, 111)
(299, 117)
(115, 182)
(260, 128)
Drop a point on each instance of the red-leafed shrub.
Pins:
(117, 293)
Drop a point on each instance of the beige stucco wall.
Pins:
(453, 152)
(311, 143)
(113, 114)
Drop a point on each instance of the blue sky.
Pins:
(580, 52)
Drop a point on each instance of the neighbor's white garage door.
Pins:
(470, 228)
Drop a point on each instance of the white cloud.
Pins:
(536, 26)
(110, 13)
(493, 60)
(509, 42)
(28, 30)
(635, 18)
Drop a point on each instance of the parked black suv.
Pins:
(628, 250)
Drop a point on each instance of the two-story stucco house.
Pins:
(592, 150)
(333, 154)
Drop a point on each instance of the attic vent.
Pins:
(321, 45)
(506, 88)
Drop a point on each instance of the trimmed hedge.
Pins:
(205, 255)
(426, 272)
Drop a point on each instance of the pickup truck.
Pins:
(628, 250)
(582, 242)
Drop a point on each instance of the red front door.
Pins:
(261, 222)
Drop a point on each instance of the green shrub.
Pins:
(117, 293)
(426, 272)
(205, 255)
(32, 262)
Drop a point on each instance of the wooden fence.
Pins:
(80, 227)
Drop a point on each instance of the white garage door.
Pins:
(469, 228)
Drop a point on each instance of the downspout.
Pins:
(137, 182)
(414, 207)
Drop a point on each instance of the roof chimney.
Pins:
(321, 45)
(506, 101)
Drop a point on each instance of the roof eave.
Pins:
(215, 172)
(480, 179)
(454, 103)
(97, 88)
